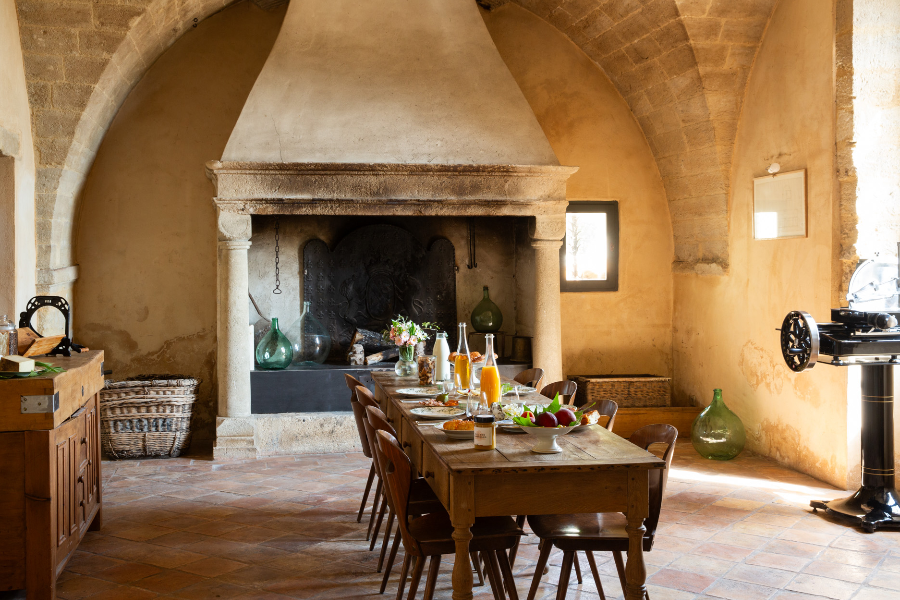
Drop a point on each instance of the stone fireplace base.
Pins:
(286, 433)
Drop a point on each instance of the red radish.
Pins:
(547, 419)
(565, 417)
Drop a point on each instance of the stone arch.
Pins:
(682, 66)
(81, 62)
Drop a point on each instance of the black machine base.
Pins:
(869, 508)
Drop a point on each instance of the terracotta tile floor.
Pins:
(286, 528)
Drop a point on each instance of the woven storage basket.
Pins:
(628, 391)
(147, 415)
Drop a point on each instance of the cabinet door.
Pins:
(90, 473)
(62, 499)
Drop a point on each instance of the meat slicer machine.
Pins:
(867, 334)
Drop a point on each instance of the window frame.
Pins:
(611, 283)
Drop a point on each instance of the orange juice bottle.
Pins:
(490, 374)
(462, 365)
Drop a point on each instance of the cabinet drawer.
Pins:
(436, 475)
(411, 442)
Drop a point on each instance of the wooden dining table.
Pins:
(597, 471)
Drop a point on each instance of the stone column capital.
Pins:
(233, 226)
(547, 228)
(546, 244)
(235, 244)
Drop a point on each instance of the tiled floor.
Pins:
(286, 528)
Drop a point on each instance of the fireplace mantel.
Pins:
(389, 189)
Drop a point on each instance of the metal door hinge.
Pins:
(40, 404)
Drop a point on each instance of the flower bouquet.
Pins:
(406, 334)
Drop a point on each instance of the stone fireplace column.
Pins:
(546, 239)
(234, 424)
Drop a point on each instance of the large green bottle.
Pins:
(717, 432)
(274, 350)
(487, 318)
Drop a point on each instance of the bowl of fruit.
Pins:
(547, 424)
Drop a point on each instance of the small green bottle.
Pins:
(274, 350)
(717, 433)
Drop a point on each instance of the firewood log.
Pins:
(371, 341)
(382, 356)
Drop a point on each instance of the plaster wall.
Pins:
(590, 125)
(724, 335)
(17, 241)
(146, 237)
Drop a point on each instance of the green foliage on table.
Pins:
(43, 369)
(553, 407)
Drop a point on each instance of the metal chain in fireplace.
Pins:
(277, 289)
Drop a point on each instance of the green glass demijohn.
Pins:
(274, 350)
(717, 432)
(486, 318)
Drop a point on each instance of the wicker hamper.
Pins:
(628, 391)
(147, 415)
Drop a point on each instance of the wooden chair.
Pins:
(531, 378)
(359, 415)
(421, 497)
(604, 532)
(430, 536)
(606, 408)
(365, 398)
(565, 389)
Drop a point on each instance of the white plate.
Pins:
(522, 389)
(420, 392)
(438, 412)
(457, 435)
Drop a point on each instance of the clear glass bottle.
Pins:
(441, 355)
(717, 433)
(462, 364)
(274, 350)
(490, 373)
(9, 337)
(310, 340)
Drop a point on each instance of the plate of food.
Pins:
(458, 429)
(438, 412)
(420, 392)
(441, 400)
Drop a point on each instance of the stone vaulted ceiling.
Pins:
(682, 65)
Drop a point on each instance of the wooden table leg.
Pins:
(638, 509)
(462, 568)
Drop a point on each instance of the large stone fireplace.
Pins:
(379, 114)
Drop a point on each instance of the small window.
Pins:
(589, 257)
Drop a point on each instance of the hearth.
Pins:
(375, 273)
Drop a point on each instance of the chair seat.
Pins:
(596, 532)
(434, 533)
(422, 499)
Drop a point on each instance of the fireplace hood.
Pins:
(387, 107)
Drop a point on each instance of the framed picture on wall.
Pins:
(589, 257)
(779, 206)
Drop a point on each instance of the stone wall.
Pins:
(682, 66)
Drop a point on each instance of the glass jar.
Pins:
(426, 369)
(486, 317)
(406, 366)
(462, 364)
(310, 340)
(9, 337)
(485, 437)
(717, 433)
(274, 350)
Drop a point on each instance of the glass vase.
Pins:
(309, 338)
(406, 366)
(486, 317)
(717, 433)
(274, 350)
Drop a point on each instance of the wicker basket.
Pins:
(628, 391)
(147, 415)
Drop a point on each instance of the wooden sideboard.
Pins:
(49, 471)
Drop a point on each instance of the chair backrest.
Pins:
(565, 389)
(358, 414)
(607, 408)
(370, 432)
(378, 421)
(531, 378)
(644, 438)
(365, 397)
(397, 480)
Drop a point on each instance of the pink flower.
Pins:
(404, 337)
(413, 341)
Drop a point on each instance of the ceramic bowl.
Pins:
(546, 438)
